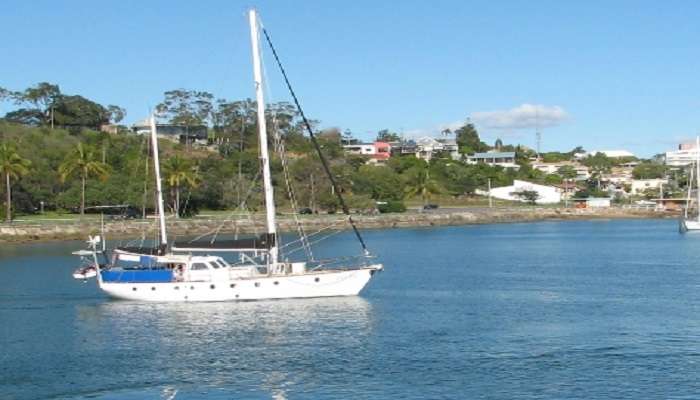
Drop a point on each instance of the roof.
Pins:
(495, 154)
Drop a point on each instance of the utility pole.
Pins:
(490, 198)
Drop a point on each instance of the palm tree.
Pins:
(179, 172)
(420, 182)
(12, 165)
(82, 161)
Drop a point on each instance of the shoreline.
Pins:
(137, 229)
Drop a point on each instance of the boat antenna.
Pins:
(324, 162)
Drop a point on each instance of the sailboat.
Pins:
(189, 271)
(686, 222)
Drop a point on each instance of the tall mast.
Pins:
(697, 174)
(159, 191)
(262, 131)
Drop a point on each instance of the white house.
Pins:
(638, 186)
(505, 159)
(608, 153)
(548, 194)
(593, 202)
(427, 147)
(686, 154)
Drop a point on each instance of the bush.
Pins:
(391, 206)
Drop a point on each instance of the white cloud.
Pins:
(525, 116)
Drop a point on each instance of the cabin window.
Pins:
(277, 283)
(215, 265)
(153, 288)
(221, 264)
(133, 288)
(317, 279)
(199, 267)
(177, 287)
(257, 284)
(233, 285)
(212, 286)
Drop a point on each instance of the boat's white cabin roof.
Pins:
(169, 258)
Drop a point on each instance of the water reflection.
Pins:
(271, 345)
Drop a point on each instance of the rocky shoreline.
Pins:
(52, 231)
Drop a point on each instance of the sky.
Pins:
(599, 74)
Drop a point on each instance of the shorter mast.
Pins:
(159, 191)
(697, 174)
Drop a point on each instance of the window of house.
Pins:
(199, 267)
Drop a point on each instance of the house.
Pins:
(582, 172)
(670, 204)
(428, 147)
(494, 158)
(639, 186)
(686, 154)
(592, 202)
(179, 133)
(547, 194)
(377, 152)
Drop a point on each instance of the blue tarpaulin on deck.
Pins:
(145, 275)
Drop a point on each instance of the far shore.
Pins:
(54, 230)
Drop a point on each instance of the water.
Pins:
(554, 310)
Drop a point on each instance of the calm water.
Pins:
(605, 309)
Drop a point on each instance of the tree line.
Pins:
(74, 166)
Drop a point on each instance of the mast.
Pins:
(262, 131)
(697, 174)
(159, 191)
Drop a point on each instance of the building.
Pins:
(179, 133)
(494, 158)
(686, 154)
(639, 186)
(592, 202)
(582, 172)
(547, 194)
(608, 153)
(428, 147)
(377, 152)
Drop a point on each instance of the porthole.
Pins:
(133, 288)
(277, 283)
(192, 287)
(153, 288)
(257, 284)
(317, 279)
(236, 296)
(212, 286)
(177, 287)
(233, 285)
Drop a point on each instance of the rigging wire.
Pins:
(324, 162)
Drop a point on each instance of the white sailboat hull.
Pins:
(326, 283)
(690, 225)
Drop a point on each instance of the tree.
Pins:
(77, 111)
(82, 161)
(567, 172)
(12, 165)
(116, 113)
(179, 172)
(531, 196)
(187, 107)
(552, 179)
(649, 171)
(599, 164)
(385, 136)
(420, 182)
(42, 97)
(468, 140)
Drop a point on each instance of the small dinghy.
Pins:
(84, 273)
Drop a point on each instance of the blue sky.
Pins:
(601, 74)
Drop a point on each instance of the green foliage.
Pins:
(186, 107)
(82, 161)
(468, 140)
(649, 171)
(385, 136)
(391, 206)
(12, 166)
(552, 179)
(567, 172)
(378, 183)
(79, 112)
(555, 156)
